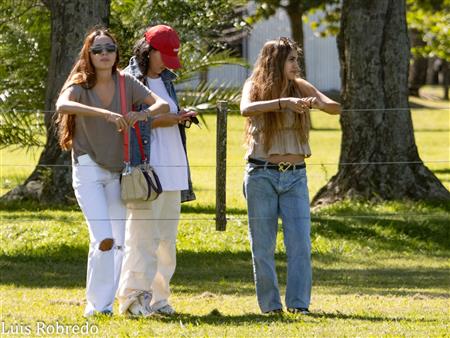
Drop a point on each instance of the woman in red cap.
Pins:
(150, 239)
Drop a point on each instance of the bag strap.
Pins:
(123, 105)
(139, 138)
(126, 134)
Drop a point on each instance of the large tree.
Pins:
(50, 181)
(379, 158)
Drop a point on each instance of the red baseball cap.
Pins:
(164, 39)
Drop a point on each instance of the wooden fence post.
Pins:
(221, 165)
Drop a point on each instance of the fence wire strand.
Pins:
(240, 220)
(212, 110)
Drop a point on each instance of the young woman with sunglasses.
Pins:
(276, 102)
(90, 124)
(151, 230)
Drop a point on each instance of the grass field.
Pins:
(379, 270)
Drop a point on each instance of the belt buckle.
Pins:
(283, 166)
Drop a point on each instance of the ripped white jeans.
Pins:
(98, 193)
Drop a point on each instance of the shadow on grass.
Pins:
(442, 171)
(387, 232)
(210, 209)
(385, 281)
(216, 318)
(219, 273)
(31, 205)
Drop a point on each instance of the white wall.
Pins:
(321, 55)
(322, 59)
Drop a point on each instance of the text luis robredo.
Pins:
(41, 328)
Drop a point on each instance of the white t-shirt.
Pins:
(167, 155)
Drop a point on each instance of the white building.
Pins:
(321, 55)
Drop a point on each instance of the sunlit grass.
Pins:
(379, 269)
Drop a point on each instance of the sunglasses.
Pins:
(194, 120)
(98, 49)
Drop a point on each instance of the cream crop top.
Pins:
(285, 141)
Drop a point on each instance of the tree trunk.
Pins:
(379, 158)
(51, 180)
(445, 78)
(295, 12)
(418, 67)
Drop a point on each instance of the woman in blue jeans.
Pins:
(276, 102)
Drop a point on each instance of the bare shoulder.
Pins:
(247, 85)
(304, 84)
(248, 82)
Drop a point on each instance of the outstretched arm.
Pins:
(317, 99)
(248, 108)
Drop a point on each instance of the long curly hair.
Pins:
(83, 74)
(268, 83)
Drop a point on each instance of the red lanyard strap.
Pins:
(139, 138)
(126, 133)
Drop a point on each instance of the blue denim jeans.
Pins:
(271, 194)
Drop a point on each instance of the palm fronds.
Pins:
(200, 60)
(22, 129)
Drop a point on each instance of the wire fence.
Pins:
(39, 115)
(238, 165)
(240, 220)
(212, 110)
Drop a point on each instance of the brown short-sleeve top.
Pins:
(95, 135)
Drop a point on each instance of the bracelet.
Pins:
(279, 104)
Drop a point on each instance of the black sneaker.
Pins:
(300, 310)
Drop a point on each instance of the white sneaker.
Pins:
(165, 310)
(141, 305)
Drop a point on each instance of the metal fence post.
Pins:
(221, 165)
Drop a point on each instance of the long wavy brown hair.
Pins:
(83, 74)
(268, 83)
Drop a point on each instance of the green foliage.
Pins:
(267, 8)
(199, 23)
(25, 53)
(328, 22)
(205, 96)
(203, 59)
(200, 26)
(432, 20)
(21, 128)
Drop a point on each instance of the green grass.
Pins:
(379, 269)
